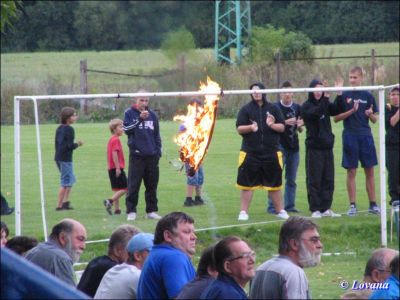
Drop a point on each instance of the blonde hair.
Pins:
(114, 124)
(358, 70)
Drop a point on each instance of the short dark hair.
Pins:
(357, 69)
(222, 252)
(262, 87)
(396, 88)
(4, 228)
(170, 222)
(286, 84)
(21, 243)
(66, 113)
(394, 266)
(64, 226)
(206, 260)
(293, 228)
(195, 101)
(121, 236)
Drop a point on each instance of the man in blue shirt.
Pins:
(168, 267)
(357, 108)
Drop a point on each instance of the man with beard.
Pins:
(283, 277)
(64, 247)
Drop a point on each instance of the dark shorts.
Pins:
(358, 148)
(118, 183)
(260, 172)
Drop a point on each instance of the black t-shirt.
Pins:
(289, 138)
(64, 143)
(94, 273)
(392, 133)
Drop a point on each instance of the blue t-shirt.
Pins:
(165, 272)
(393, 291)
(224, 287)
(357, 123)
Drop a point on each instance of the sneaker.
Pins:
(374, 209)
(153, 215)
(189, 202)
(352, 211)
(117, 212)
(330, 213)
(283, 214)
(131, 216)
(7, 211)
(66, 205)
(108, 204)
(316, 214)
(243, 216)
(59, 208)
(198, 201)
(293, 210)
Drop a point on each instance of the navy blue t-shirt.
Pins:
(357, 123)
(289, 138)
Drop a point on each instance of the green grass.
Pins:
(360, 234)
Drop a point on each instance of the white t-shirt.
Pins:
(120, 282)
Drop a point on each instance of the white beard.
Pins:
(73, 253)
(307, 258)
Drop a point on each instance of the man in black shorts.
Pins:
(260, 161)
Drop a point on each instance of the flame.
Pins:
(199, 124)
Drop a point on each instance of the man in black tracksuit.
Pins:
(316, 112)
(144, 141)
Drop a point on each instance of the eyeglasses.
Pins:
(246, 255)
(313, 239)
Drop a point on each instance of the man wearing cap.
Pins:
(121, 281)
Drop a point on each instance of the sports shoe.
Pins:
(108, 204)
(189, 202)
(66, 205)
(117, 212)
(316, 214)
(153, 215)
(243, 216)
(131, 216)
(198, 200)
(352, 211)
(374, 209)
(7, 211)
(283, 214)
(293, 210)
(59, 208)
(330, 213)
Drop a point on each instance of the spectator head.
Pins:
(286, 96)
(257, 96)
(66, 113)
(139, 247)
(394, 266)
(394, 96)
(233, 257)
(4, 233)
(142, 102)
(118, 241)
(378, 265)
(356, 76)
(300, 240)
(176, 229)
(195, 101)
(21, 244)
(114, 124)
(71, 236)
(206, 266)
(315, 83)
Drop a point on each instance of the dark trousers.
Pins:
(320, 175)
(145, 168)
(392, 165)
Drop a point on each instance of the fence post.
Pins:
(84, 85)
(373, 66)
(182, 68)
(278, 70)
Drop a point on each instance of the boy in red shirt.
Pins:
(116, 165)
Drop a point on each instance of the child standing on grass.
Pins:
(116, 165)
(64, 144)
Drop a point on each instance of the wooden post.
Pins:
(84, 85)
(278, 70)
(373, 66)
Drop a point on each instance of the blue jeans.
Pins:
(291, 159)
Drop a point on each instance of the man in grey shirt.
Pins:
(283, 277)
(64, 247)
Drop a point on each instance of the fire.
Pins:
(199, 126)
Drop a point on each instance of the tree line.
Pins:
(118, 25)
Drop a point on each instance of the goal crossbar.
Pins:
(17, 142)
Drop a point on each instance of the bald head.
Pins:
(378, 266)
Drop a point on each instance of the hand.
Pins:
(325, 84)
(144, 114)
(355, 106)
(270, 119)
(300, 122)
(369, 111)
(80, 143)
(339, 83)
(117, 172)
(291, 121)
(254, 126)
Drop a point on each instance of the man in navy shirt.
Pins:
(357, 108)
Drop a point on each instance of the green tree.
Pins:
(178, 42)
(9, 11)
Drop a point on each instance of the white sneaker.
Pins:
(330, 213)
(316, 214)
(153, 215)
(243, 216)
(283, 214)
(131, 216)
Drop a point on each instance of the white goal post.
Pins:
(17, 142)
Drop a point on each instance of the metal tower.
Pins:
(232, 30)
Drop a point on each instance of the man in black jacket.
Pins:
(144, 141)
(320, 173)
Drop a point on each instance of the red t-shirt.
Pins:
(114, 144)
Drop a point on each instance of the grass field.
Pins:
(359, 235)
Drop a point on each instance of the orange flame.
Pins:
(198, 126)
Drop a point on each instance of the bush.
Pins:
(178, 42)
(267, 41)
